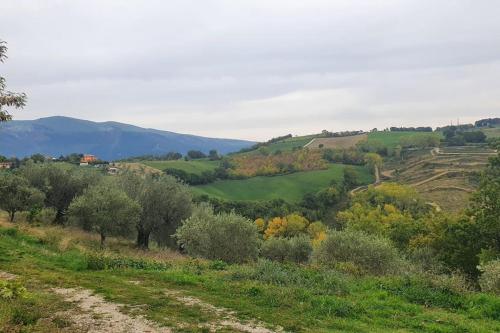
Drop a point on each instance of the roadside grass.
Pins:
(193, 166)
(298, 298)
(289, 187)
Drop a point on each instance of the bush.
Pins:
(12, 290)
(98, 261)
(371, 254)
(297, 249)
(226, 236)
(490, 277)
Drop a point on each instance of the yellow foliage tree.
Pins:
(261, 224)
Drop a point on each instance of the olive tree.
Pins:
(105, 209)
(16, 194)
(59, 183)
(165, 202)
(226, 236)
(8, 98)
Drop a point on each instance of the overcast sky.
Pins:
(255, 69)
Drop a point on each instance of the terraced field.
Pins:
(445, 176)
(290, 187)
(392, 139)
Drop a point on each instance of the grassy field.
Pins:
(290, 187)
(194, 166)
(492, 132)
(338, 142)
(191, 295)
(392, 139)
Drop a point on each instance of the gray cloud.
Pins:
(255, 69)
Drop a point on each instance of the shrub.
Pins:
(226, 236)
(297, 249)
(371, 254)
(12, 290)
(490, 277)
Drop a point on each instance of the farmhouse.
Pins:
(88, 158)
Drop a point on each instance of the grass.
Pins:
(297, 298)
(290, 187)
(193, 166)
(392, 139)
(493, 132)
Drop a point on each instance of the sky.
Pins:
(255, 69)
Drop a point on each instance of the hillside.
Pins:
(55, 136)
(290, 187)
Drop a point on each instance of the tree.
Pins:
(59, 184)
(165, 203)
(195, 154)
(213, 155)
(374, 162)
(8, 98)
(226, 236)
(485, 206)
(17, 195)
(105, 209)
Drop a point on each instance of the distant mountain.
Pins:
(57, 136)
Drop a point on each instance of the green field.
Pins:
(392, 139)
(196, 166)
(290, 187)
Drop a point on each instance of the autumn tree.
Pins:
(8, 98)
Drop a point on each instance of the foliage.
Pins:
(419, 141)
(265, 164)
(195, 154)
(98, 261)
(371, 254)
(106, 210)
(59, 183)
(490, 277)
(295, 249)
(225, 236)
(17, 195)
(164, 204)
(8, 98)
(374, 161)
(11, 290)
(288, 226)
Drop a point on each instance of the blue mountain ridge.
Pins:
(55, 136)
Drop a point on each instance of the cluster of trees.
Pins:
(460, 242)
(327, 134)
(243, 166)
(148, 206)
(411, 129)
(489, 122)
(170, 156)
(454, 136)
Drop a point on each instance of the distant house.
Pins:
(88, 159)
(5, 165)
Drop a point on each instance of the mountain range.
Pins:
(55, 136)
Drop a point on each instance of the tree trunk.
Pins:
(11, 215)
(59, 219)
(103, 238)
(143, 238)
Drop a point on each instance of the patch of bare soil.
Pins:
(225, 318)
(7, 276)
(95, 315)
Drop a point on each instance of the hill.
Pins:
(291, 187)
(55, 136)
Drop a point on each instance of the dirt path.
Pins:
(225, 318)
(95, 315)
